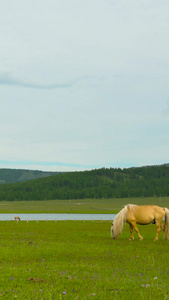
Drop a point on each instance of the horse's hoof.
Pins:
(131, 239)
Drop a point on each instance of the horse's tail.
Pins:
(166, 230)
(118, 223)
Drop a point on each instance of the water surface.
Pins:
(59, 217)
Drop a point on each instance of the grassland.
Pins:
(79, 260)
(77, 206)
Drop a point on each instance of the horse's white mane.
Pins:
(131, 206)
(120, 219)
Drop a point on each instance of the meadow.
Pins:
(69, 260)
(79, 260)
(92, 206)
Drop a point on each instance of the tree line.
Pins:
(99, 183)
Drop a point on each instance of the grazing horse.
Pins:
(17, 218)
(143, 215)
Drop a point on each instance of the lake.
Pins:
(57, 217)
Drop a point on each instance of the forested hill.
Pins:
(100, 183)
(15, 175)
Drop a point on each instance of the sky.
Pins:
(84, 84)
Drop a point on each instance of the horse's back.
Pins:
(144, 214)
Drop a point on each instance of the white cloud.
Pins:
(83, 84)
(10, 79)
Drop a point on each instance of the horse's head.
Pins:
(112, 232)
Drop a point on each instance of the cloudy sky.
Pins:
(84, 84)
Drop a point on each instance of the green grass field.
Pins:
(79, 260)
(77, 206)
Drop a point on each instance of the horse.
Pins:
(142, 215)
(17, 218)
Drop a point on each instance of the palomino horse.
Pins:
(17, 218)
(143, 215)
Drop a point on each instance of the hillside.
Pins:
(100, 183)
(14, 175)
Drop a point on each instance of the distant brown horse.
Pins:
(143, 215)
(17, 218)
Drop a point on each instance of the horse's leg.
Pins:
(162, 225)
(159, 225)
(131, 232)
(136, 229)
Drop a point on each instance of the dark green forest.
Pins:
(99, 183)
